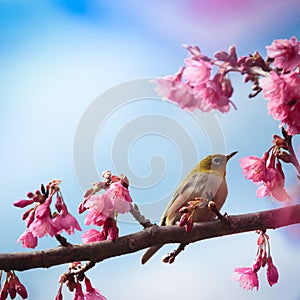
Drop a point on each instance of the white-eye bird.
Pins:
(208, 177)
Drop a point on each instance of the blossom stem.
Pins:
(63, 241)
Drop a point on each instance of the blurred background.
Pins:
(58, 60)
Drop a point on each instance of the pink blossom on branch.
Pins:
(283, 93)
(120, 197)
(92, 293)
(247, 278)
(264, 171)
(65, 221)
(285, 53)
(192, 87)
(272, 272)
(254, 168)
(178, 92)
(40, 220)
(196, 71)
(92, 235)
(103, 209)
(273, 185)
(28, 240)
(78, 292)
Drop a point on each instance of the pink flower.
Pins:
(120, 197)
(78, 292)
(285, 53)
(177, 92)
(65, 221)
(254, 168)
(272, 273)
(95, 217)
(42, 226)
(283, 93)
(28, 240)
(247, 277)
(273, 186)
(215, 94)
(101, 204)
(196, 71)
(93, 235)
(92, 293)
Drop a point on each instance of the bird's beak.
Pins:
(228, 156)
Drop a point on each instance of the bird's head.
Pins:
(215, 163)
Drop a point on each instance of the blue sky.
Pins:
(58, 57)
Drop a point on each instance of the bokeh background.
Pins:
(58, 56)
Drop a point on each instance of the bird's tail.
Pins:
(150, 252)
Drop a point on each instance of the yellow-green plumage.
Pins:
(208, 176)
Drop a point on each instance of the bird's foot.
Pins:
(212, 206)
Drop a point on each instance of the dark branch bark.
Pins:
(151, 236)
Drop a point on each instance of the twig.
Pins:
(170, 257)
(135, 211)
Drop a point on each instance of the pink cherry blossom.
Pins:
(215, 94)
(92, 293)
(42, 226)
(254, 168)
(28, 240)
(272, 272)
(93, 235)
(196, 71)
(177, 92)
(43, 223)
(283, 93)
(285, 53)
(273, 186)
(65, 221)
(101, 203)
(247, 278)
(78, 292)
(120, 197)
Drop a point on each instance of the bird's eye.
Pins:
(216, 161)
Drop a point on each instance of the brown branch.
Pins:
(151, 236)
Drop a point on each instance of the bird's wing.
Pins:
(192, 186)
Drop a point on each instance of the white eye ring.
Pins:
(216, 161)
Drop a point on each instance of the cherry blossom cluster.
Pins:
(195, 86)
(247, 276)
(40, 219)
(267, 170)
(103, 209)
(12, 287)
(74, 279)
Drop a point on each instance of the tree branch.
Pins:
(150, 236)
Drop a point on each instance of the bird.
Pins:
(208, 177)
